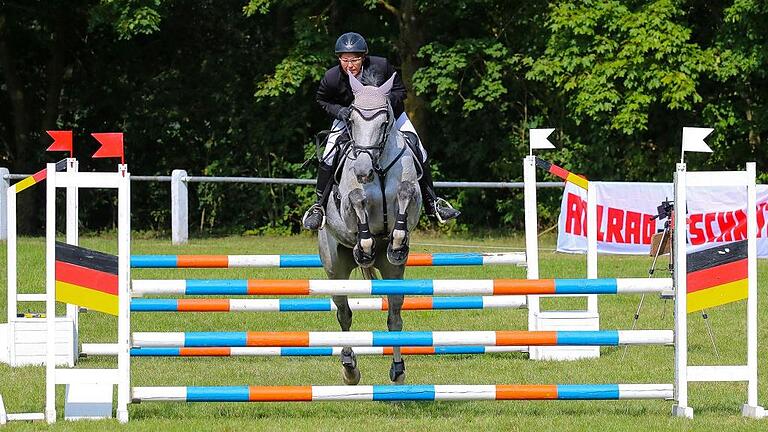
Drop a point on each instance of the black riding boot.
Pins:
(314, 218)
(434, 206)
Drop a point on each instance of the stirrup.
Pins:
(315, 210)
(441, 203)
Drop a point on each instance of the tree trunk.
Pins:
(754, 136)
(25, 151)
(20, 155)
(409, 42)
(55, 74)
(15, 89)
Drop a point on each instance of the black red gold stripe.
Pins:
(87, 278)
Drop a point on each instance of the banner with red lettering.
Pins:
(625, 216)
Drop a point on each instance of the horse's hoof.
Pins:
(362, 259)
(400, 255)
(350, 373)
(397, 256)
(397, 372)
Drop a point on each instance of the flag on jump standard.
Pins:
(693, 139)
(111, 145)
(538, 139)
(62, 141)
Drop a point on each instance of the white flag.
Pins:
(693, 139)
(538, 138)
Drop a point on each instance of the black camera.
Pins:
(664, 210)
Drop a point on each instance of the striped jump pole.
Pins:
(323, 305)
(405, 338)
(404, 393)
(303, 261)
(399, 287)
(109, 349)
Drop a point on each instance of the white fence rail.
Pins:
(180, 180)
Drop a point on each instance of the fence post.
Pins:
(179, 208)
(4, 184)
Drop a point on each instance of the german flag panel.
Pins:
(86, 278)
(717, 276)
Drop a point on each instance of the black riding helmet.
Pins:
(351, 43)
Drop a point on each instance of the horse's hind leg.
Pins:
(350, 371)
(395, 322)
(344, 265)
(397, 251)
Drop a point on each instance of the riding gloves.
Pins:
(344, 113)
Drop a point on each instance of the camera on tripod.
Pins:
(660, 242)
(664, 211)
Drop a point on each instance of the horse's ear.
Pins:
(387, 86)
(355, 83)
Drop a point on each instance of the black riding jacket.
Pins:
(335, 92)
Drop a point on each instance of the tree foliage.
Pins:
(227, 88)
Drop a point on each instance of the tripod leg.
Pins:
(634, 322)
(705, 317)
(650, 275)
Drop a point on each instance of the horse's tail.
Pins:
(370, 273)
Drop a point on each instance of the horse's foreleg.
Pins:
(395, 323)
(397, 251)
(364, 249)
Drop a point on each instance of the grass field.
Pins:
(716, 406)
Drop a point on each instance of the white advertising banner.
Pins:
(626, 216)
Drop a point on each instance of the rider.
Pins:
(335, 96)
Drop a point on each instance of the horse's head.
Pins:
(370, 124)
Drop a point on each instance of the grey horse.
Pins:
(377, 202)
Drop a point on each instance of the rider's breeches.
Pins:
(403, 123)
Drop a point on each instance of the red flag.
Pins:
(62, 141)
(111, 145)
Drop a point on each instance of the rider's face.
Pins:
(352, 62)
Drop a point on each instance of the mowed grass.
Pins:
(716, 405)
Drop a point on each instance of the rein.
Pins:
(380, 172)
(368, 114)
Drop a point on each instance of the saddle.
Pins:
(413, 142)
